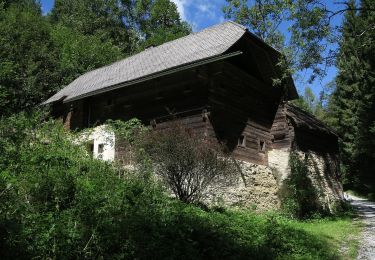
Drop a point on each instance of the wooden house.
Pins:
(218, 81)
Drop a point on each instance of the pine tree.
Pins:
(344, 100)
(352, 103)
(365, 145)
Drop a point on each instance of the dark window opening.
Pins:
(242, 141)
(90, 148)
(153, 123)
(278, 137)
(262, 146)
(101, 148)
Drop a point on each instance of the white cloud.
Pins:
(181, 7)
(200, 13)
(207, 9)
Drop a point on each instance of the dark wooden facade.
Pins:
(232, 100)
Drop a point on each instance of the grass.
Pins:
(247, 235)
(340, 234)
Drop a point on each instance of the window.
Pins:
(262, 146)
(100, 148)
(90, 147)
(205, 115)
(279, 136)
(242, 141)
(153, 123)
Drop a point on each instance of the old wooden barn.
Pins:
(218, 82)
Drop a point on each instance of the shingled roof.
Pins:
(305, 120)
(209, 43)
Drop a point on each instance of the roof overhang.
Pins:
(183, 67)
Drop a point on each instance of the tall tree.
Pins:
(27, 58)
(102, 18)
(160, 22)
(78, 53)
(344, 101)
(37, 58)
(306, 20)
(352, 103)
(365, 145)
(129, 24)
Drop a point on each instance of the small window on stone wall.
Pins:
(100, 148)
(242, 141)
(262, 146)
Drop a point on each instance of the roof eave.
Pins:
(156, 75)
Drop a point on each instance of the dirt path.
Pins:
(366, 210)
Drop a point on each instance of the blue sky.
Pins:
(204, 13)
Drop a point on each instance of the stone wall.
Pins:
(278, 159)
(258, 187)
(255, 187)
(324, 174)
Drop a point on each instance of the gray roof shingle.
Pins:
(205, 44)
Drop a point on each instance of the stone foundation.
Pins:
(278, 159)
(323, 172)
(255, 187)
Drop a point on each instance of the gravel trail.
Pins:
(366, 211)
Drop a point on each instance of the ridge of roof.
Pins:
(169, 42)
(234, 23)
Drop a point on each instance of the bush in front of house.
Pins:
(187, 161)
(299, 196)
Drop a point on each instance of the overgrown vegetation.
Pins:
(58, 202)
(299, 195)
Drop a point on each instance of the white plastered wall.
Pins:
(103, 141)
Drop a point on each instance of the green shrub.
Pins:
(298, 194)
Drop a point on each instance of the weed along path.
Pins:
(366, 211)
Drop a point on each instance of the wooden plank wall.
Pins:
(243, 108)
(282, 131)
(240, 105)
(197, 122)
